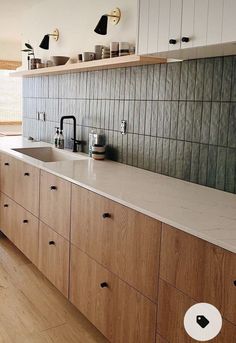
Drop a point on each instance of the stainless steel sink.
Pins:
(48, 154)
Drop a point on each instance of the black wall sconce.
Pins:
(101, 27)
(45, 42)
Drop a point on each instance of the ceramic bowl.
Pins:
(59, 60)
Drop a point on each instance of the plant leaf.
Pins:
(28, 46)
(31, 53)
(26, 50)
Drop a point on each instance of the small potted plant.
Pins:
(32, 62)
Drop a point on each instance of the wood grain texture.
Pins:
(127, 243)
(55, 204)
(27, 233)
(118, 311)
(23, 234)
(172, 307)
(54, 258)
(8, 173)
(109, 63)
(211, 270)
(26, 190)
(159, 339)
(9, 65)
(40, 313)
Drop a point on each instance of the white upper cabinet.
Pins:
(166, 25)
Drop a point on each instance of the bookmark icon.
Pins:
(202, 321)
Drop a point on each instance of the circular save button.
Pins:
(202, 322)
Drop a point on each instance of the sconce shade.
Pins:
(45, 43)
(101, 27)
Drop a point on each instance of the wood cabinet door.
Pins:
(55, 194)
(116, 309)
(54, 258)
(27, 227)
(172, 306)
(8, 222)
(124, 241)
(26, 190)
(8, 175)
(211, 270)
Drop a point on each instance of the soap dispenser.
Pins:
(56, 138)
(61, 140)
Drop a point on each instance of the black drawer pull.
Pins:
(185, 39)
(53, 188)
(104, 285)
(234, 282)
(106, 215)
(6, 164)
(25, 221)
(26, 174)
(172, 41)
(5, 205)
(51, 243)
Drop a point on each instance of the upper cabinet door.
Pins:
(194, 23)
(143, 26)
(163, 25)
(153, 26)
(215, 19)
(175, 24)
(229, 22)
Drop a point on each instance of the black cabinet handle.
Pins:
(6, 164)
(104, 285)
(234, 282)
(106, 215)
(51, 243)
(26, 174)
(5, 205)
(172, 41)
(53, 188)
(185, 39)
(25, 221)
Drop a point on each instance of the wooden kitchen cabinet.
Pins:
(27, 227)
(8, 175)
(20, 226)
(54, 258)
(124, 241)
(160, 339)
(20, 181)
(211, 270)
(26, 190)
(172, 306)
(116, 309)
(55, 200)
(8, 218)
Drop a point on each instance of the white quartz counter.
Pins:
(201, 211)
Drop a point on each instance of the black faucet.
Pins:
(76, 142)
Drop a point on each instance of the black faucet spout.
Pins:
(75, 142)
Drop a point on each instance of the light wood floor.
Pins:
(32, 310)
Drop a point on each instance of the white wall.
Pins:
(10, 50)
(76, 20)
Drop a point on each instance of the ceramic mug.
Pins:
(88, 56)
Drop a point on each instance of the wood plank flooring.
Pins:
(31, 308)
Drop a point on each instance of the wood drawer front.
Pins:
(8, 175)
(26, 190)
(55, 194)
(211, 270)
(172, 306)
(21, 227)
(54, 258)
(28, 234)
(127, 243)
(8, 218)
(118, 311)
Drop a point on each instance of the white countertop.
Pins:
(201, 211)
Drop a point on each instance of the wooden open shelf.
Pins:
(109, 63)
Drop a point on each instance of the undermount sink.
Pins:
(48, 154)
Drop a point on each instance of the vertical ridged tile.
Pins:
(152, 154)
(184, 80)
(221, 168)
(206, 122)
(165, 156)
(230, 179)
(162, 86)
(141, 151)
(154, 118)
(214, 125)
(156, 81)
(148, 118)
(179, 159)
(203, 157)
(160, 119)
(174, 119)
(176, 80)
(189, 121)
(167, 119)
(199, 80)
(172, 158)
(191, 79)
(194, 174)
(197, 122)
(217, 79)
(144, 77)
(181, 120)
(142, 117)
(224, 123)
(169, 81)
(208, 79)
(211, 166)
(227, 78)
(150, 76)
(159, 155)
(187, 161)
(232, 126)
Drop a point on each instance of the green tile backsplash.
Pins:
(181, 116)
